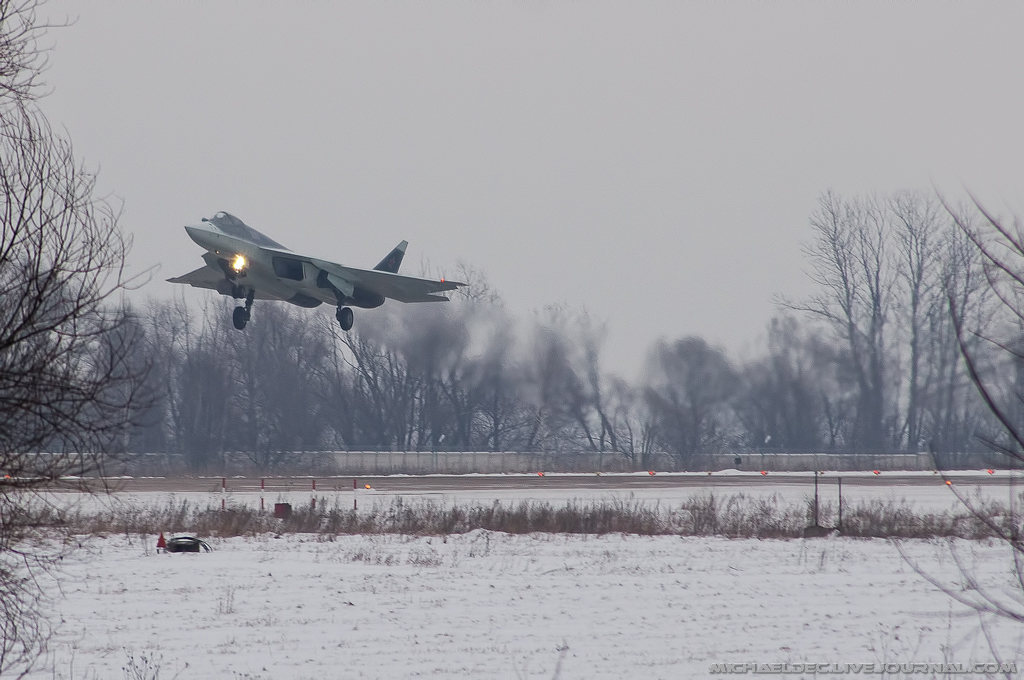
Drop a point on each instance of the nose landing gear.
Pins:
(241, 315)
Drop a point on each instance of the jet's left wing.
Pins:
(204, 277)
(395, 286)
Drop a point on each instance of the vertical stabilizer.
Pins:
(393, 261)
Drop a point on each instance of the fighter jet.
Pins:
(247, 265)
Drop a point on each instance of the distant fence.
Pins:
(795, 462)
(425, 462)
(467, 462)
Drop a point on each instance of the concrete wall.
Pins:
(794, 462)
(355, 462)
(451, 462)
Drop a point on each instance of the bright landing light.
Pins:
(239, 263)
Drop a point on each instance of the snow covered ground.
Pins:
(488, 605)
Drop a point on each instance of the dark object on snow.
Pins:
(282, 510)
(817, 531)
(187, 544)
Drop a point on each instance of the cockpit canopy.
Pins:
(232, 226)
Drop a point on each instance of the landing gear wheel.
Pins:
(345, 318)
(240, 317)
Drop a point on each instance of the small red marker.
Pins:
(540, 474)
(650, 472)
(949, 482)
(764, 472)
(876, 472)
(991, 471)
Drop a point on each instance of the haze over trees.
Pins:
(869, 363)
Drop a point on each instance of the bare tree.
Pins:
(782, 400)
(274, 404)
(498, 385)
(69, 386)
(951, 413)
(918, 240)
(986, 258)
(382, 386)
(434, 345)
(634, 424)
(21, 60)
(559, 360)
(690, 390)
(851, 257)
(885, 267)
(1001, 247)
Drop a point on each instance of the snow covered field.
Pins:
(489, 605)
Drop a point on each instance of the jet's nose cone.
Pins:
(201, 236)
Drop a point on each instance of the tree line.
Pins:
(869, 363)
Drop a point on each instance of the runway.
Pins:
(415, 484)
(923, 491)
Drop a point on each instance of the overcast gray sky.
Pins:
(654, 162)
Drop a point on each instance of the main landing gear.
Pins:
(345, 318)
(241, 315)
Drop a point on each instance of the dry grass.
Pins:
(734, 516)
